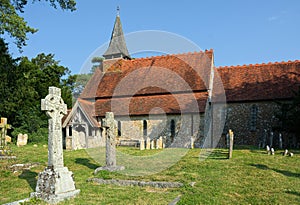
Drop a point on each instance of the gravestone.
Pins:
(192, 142)
(160, 142)
(111, 162)
(148, 143)
(5, 150)
(230, 144)
(272, 151)
(3, 126)
(22, 139)
(56, 182)
(152, 144)
(280, 140)
(142, 144)
(285, 153)
(268, 150)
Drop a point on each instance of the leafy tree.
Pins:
(15, 26)
(24, 83)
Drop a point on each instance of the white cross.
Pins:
(55, 109)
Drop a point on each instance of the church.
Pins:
(179, 97)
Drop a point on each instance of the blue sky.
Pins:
(240, 32)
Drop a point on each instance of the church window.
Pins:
(253, 118)
(145, 127)
(70, 131)
(172, 128)
(119, 129)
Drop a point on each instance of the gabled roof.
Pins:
(154, 76)
(117, 46)
(272, 81)
(172, 83)
(87, 108)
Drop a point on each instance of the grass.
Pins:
(250, 177)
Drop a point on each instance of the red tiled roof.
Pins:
(154, 75)
(260, 81)
(144, 105)
(89, 109)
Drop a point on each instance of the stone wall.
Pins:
(248, 121)
(185, 125)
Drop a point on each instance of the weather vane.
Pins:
(118, 10)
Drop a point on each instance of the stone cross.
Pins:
(55, 109)
(56, 182)
(109, 124)
(230, 144)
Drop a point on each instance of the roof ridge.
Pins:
(174, 55)
(259, 64)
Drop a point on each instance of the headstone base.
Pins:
(109, 168)
(55, 185)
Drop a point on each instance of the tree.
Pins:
(24, 83)
(15, 26)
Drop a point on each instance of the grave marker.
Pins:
(111, 162)
(56, 182)
(230, 144)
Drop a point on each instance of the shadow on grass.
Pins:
(284, 172)
(293, 192)
(86, 162)
(30, 177)
(219, 155)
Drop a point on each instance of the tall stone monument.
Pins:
(56, 182)
(111, 162)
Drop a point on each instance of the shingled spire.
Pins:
(117, 46)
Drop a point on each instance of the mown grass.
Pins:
(250, 177)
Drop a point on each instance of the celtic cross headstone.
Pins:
(56, 182)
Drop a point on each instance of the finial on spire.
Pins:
(118, 10)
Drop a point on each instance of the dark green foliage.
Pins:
(23, 84)
(15, 26)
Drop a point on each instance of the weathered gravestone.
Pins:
(5, 151)
(148, 143)
(56, 182)
(268, 150)
(230, 144)
(192, 142)
(142, 144)
(22, 139)
(3, 126)
(111, 162)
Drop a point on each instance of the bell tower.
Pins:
(117, 46)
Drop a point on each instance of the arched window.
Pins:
(253, 118)
(119, 129)
(172, 127)
(145, 127)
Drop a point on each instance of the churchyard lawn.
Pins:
(250, 177)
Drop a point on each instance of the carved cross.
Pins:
(55, 109)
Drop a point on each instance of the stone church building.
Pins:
(179, 97)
